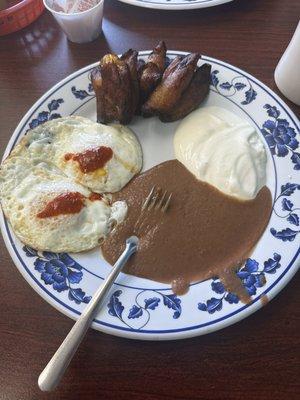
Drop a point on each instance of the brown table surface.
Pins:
(257, 358)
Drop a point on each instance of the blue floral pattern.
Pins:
(142, 309)
(83, 94)
(237, 84)
(48, 115)
(290, 213)
(281, 138)
(60, 271)
(252, 278)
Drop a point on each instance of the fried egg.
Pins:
(61, 166)
(100, 157)
(28, 186)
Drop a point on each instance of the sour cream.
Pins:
(222, 149)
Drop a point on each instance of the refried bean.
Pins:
(203, 234)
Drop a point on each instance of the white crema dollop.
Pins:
(223, 150)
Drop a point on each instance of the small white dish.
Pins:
(79, 27)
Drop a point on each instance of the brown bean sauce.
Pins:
(203, 234)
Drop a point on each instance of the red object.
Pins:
(20, 15)
(95, 196)
(91, 160)
(67, 203)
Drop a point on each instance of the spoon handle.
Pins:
(56, 367)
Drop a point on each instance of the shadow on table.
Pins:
(38, 39)
(130, 11)
(124, 23)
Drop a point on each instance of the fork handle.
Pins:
(56, 367)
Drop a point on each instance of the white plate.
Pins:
(175, 4)
(143, 309)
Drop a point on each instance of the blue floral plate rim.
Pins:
(116, 307)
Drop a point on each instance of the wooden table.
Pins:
(257, 358)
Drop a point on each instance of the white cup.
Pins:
(287, 75)
(80, 27)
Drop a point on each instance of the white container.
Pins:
(287, 72)
(80, 27)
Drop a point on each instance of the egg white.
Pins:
(54, 139)
(26, 187)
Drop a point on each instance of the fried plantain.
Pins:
(176, 79)
(172, 65)
(130, 57)
(158, 56)
(140, 66)
(150, 73)
(112, 84)
(171, 90)
(96, 80)
(195, 93)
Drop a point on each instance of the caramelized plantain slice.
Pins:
(172, 66)
(113, 87)
(195, 93)
(149, 79)
(158, 56)
(96, 80)
(176, 79)
(140, 66)
(167, 89)
(130, 58)
(150, 73)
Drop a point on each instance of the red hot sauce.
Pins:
(95, 196)
(66, 203)
(92, 159)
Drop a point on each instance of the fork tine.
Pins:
(155, 197)
(167, 203)
(159, 204)
(148, 199)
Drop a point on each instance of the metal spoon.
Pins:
(58, 364)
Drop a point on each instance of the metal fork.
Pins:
(154, 202)
(58, 364)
